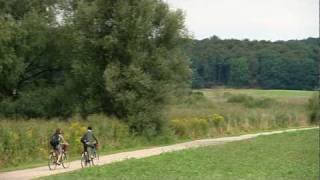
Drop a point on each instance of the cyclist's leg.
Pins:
(55, 153)
(91, 151)
(59, 150)
(86, 152)
(94, 149)
(85, 149)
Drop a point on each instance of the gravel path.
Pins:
(27, 174)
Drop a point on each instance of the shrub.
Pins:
(199, 127)
(260, 103)
(194, 98)
(314, 108)
(227, 94)
(196, 127)
(179, 126)
(44, 103)
(216, 119)
(251, 102)
(239, 98)
(282, 120)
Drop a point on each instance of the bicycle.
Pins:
(88, 159)
(53, 158)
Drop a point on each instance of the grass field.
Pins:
(288, 156)
(211, 113)
(264, 93)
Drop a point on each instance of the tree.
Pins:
(282, 64)
(132, 51)
(121, 58)
(240, 74)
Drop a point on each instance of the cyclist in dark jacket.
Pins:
(89, 140)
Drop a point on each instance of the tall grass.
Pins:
(212, 114)
(28, 140)
(243, 112)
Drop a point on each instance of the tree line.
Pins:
(66, 57)
(290, 64)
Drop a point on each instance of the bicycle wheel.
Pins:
(65, 160)
(95, 158)
(84, 160)
(52, 161)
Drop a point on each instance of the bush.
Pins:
(239, 98)
(191, 128)
(314, 108)
(196, 127)
(216, 119)
(227, 94)
(38, 103)
(195, 97)
(260, 103)
(250, 101)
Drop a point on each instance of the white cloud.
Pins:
(252, 19)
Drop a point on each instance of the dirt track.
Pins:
(75, 165)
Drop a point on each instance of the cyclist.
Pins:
(89, 140)
(58, 144)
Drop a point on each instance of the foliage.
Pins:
(250, 101)
(193, 98)
(216, 119)
(239, 72)
(261, 64)
(314, 108)
(192, 128)
(121, 58)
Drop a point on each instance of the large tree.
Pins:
(132, 51)
(119, 57)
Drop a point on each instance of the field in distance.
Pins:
(263, 93)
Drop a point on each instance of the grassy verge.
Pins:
(288, 156)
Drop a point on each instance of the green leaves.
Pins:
(240, 74)
(263, 64)
(122, 58)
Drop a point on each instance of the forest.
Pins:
(290, 64)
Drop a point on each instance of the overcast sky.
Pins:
(252, 19)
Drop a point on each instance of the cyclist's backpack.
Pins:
(54, 140)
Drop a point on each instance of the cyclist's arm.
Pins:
(63, 140)
(83, 138)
